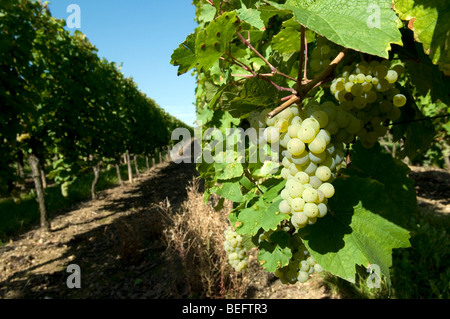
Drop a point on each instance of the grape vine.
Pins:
(318, 97)
(64, 109)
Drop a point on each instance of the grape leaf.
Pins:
(184, 55)
(287, 41)
(390, 172)
(260, 215)
(228, 170)
(229, 190)
(430, 22)
(351, 234)
(360, 25)
(211, 42)
(252, 17)
(275, 254)
(205, 115)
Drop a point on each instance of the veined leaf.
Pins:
(366, 26)
(430, 22)
(260, 215)
(351, 234)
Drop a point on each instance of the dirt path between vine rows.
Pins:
(116, 241)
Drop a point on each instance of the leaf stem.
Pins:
(273, 69)
(248, 174)
(303, 56)
(318, 80)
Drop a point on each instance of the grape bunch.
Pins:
(368, 92)
(300, 267)
(311, 157)
(65, 189)
(237, 255)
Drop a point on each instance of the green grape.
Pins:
(306, 134)
(311, 210)
(304, 266)
(348, 86)
(295, 188)
(295, 146)
(356, 89)
(381, 71)
(65, 189)
(284, 139)
(310, 168)
(293, 129)
(302, 159)
(318, 145)
(325, 49)
(284, 207)
(285, 114)
(321, 117)
(323, 173)
(309, 195)
(317, 157)
(327, 189)
(285, 195)
(320, 195)
(385, 106)
(312, 122)
(394, 114)
(311, 261)
(360, 78)
(281, 124)
(316, 53)
(382, 85)
(286, 162)
(297, 204)
(299, 219)
(317, 268)
(271, 135)
(342, 118)
(323, 209)
(399, 69)
(325, 135)
(285, 173)
(315, 182)
(391, 76)
(371, 96)
(302, 177)
(354, 126)
(399, 100)
(359, 102)
(316, 65)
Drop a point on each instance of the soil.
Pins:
(116, 241)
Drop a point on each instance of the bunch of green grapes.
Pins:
(300, 267)
(368, 92)
(322, 55)
(237, 255)
(312, 153)
(65, 189)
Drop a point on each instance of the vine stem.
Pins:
(248, 174)
(272, 68)
(420, 120)
(318, 80)
(303, 60)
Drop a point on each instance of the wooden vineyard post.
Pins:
(36, 174)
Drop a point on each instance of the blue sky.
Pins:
(142, 35)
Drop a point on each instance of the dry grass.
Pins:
(195, 236)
